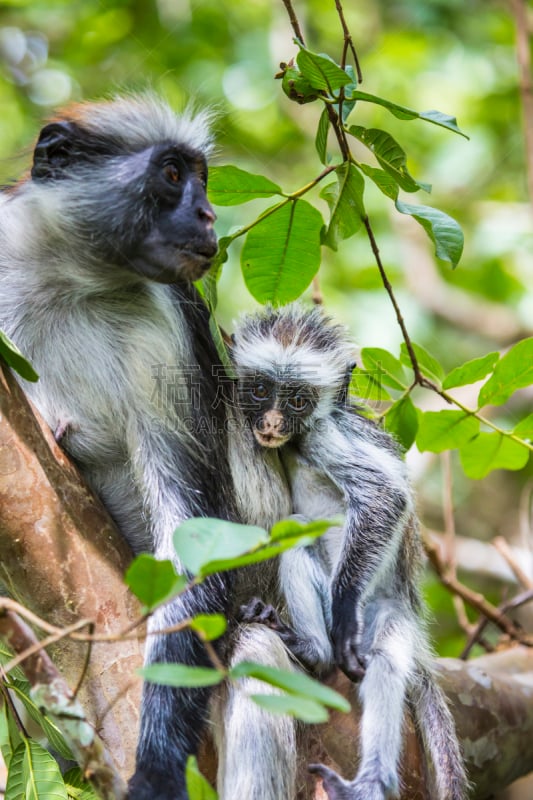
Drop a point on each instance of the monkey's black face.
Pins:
(276, 411)
(146, 211)
(181, 241)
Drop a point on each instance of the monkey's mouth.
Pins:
(271, 440)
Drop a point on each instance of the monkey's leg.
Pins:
(257, 750)
(435, 723)
(388, 645)
(172, 719)
(305, 587)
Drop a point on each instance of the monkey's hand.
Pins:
(346, 634)
(337, 788)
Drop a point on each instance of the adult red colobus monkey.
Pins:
(352, 598)
(98, 250)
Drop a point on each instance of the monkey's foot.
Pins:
(304, 650)
(255, 610)
(337, 788)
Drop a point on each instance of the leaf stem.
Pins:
(348, 43)
(419, 378)
(294, 20)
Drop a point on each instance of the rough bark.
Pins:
(62, 557)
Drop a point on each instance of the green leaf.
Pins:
(153, 581)
(202, 540)
(198, 787)
(443, 230)
(296, 86)
(321, 141)
(385, 182)
(443, 120)
(390, 155)
(48, 727)
(229, 186)
(429, 365)
(402, 112)
(281, 254)
(256, 556)
(6, 746)
(345, 200)
(209, 282)
(293, 529)
(77, 786)
(209, 626)
(292, 682)
(445, 430)
(385, 366)
(401, 420)
(471, 371)
(321, 71)
(367, 386)
(304, 708)
(34, 774)
(524, 429)
(489, 451)
(14, 359)
(181, 675)
(513, 371)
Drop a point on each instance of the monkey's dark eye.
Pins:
(298, 402)
(171, 173)
(259, 392)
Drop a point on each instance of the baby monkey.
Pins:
(352, 598)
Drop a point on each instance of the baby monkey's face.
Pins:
(276, 411)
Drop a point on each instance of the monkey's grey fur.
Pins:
(98, 248)
(353, 597)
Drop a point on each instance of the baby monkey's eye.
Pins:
(171, 172)
(259, 392)
(298, 402)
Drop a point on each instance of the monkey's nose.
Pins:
(207, 214)
(272, 423)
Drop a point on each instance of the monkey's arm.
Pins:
(362, 462)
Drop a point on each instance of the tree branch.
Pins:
(63, 558)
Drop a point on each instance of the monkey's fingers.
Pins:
(348, 659)
(335, 787)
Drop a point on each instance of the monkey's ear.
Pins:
(349, 369)
(53, 150)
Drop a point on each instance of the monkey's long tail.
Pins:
(437, 728)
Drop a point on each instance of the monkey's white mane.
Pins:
(292, 342)
(140, 120)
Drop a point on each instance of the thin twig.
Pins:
(509, 605)
(62, 633)
(348, 43)
(6, 694)
(505, 551)
(523, 54)
(449, 537)
(473, 599)
(294, 20)
(211, 652)
(317, 297)
(86, 662)
(419, 378)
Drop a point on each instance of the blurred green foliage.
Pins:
(455, 56)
